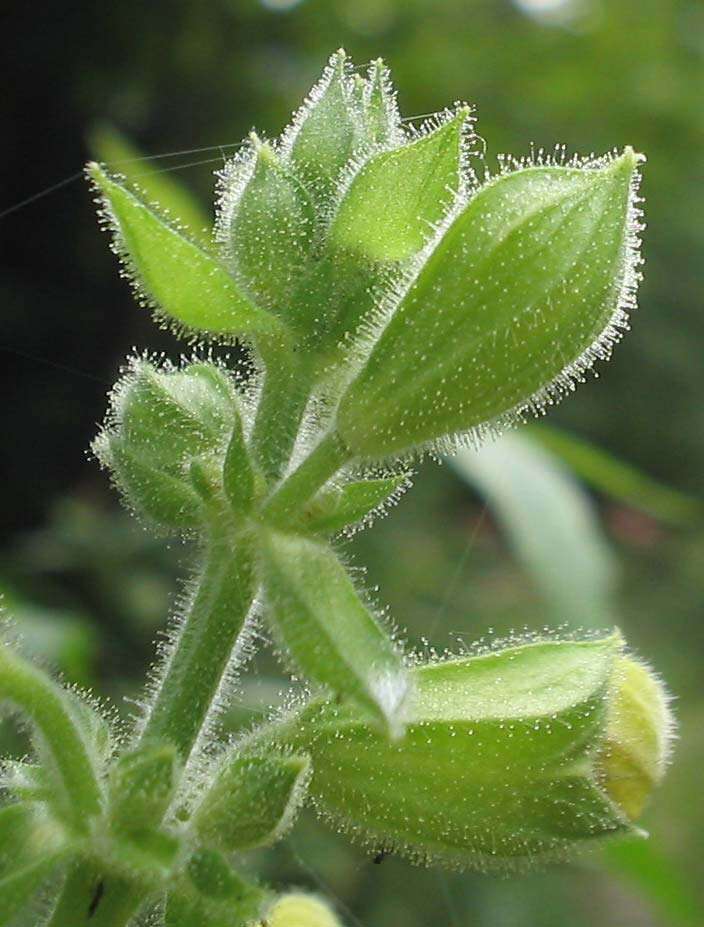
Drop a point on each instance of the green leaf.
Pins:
(149, 853)
(19, 886)
(212, 895)
(268, 230)
(212, 875)
(59, 738)
(31, 847)
(392, 204)
(16, 828)
(173, 273)
(330, 634)
(238, 473)
(160, 186)
(618, 479)
(142, 785)
(253, 800)
(497, 764)
(521, 294)
(324, 131)
(334, 510)
(550, 523)
(25, 782)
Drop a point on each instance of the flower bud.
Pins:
(268, 228)
(509, 757)
(299, 910)
(142, 784)
(252, 801)
(322, 137)
(522, 292)
(159, 422)
(382, 118)
(638, 733)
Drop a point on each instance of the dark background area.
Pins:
(182, 75)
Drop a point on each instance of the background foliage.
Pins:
(89, 589)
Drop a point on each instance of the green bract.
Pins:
(386, 302)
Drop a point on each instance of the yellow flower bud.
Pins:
(300, 910)
(638, 734)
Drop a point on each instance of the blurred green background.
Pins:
(465, 554)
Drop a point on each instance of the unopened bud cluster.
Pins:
(390, 302)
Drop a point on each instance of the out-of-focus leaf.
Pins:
(657, 879)
(550, 524)
(27, 857)
(64, 638)
(115, 150)
(619, 479)
(17, 888)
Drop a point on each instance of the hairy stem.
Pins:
(324, 461)
(206, 639)
(47, 706)
(285, 393)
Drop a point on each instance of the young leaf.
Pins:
(149, 853)
(59, 738)
(19, 884)
(238, 474)
(333, 510)
(171, 272)
(253, 800)
(324, 131)
(16, 827)
(524, 290)
(212, 894)
(212, 875)
(112, 148)
(330, 634)
(270, 230)
(393, 203)
(31, 847)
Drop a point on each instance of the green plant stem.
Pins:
(206, 640)
(89, 899)
(324, 461)
(285, 393)
(47, 707)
